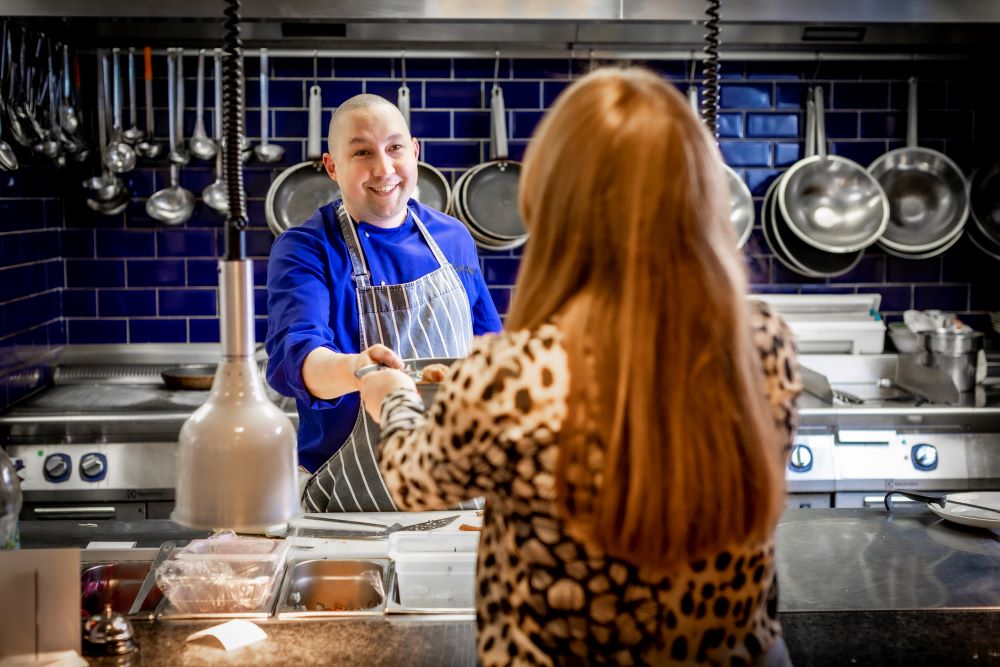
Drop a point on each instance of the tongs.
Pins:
(939, 499)
(385, 530)
(371, 368)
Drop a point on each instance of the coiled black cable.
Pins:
(232, 133)
(710, 68)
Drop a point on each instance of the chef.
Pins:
(374, 277)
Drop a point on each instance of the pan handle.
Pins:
(810, 147)
(403, 102)
(820, 123)
(314, 148)
(498, 126)
(911, 115)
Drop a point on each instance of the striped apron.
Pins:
(426, 318)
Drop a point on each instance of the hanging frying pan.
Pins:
(740, 200)
(303, 188)
(489, 193)
(985, 200)
(432, 186)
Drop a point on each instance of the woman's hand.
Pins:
(375, 386)
(376, 354)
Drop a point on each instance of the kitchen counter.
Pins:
(857, 586)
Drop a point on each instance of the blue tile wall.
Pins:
(70, 275)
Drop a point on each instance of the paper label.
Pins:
(232, 635)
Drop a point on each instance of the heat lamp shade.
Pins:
(237, 459)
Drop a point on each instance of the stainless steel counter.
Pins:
(867, 559)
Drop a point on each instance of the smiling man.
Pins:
(374, 277)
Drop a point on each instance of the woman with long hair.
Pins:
(629, 429)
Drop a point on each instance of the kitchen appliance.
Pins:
(848, 454)
(831, 323)
(100, 441)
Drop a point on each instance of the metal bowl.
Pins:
(740, 205)
(928, 198)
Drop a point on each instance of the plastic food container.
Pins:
(434, 572)
(224, 574)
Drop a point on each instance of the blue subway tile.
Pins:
(826, 289)
(772, 125)
(260, 328)
(551, 90)
(731, 125)
(954, 298)
(431, 124)
(500, 271)
(746, 96)
(520, 94)
(95, 273)
(260, 272)
(472, 124)
(859, 96)
(930, 95)
(336, 93)
(862, 152)
(279, 94)
(777, 70)
(895, 298)
(362, 67)
(260, 302)
(675, 70)
(787, 154)
(525, 122)
(746, 153)
(55, 274)
(516, 150)
(82, 332)
(453, 95)
(541, 68)
(115, 243)
(19, 214)
(290, 124)
(387, 89)
(157, 331)
(793, 95)
(957, 124)
(758, 268)
(155, 272)
(456, 154)
(187, 302)
(185, 243)
(126, 303)
(204, 330)
(900, 270)
(758, 180)
(883, 125)
(423, 68)
(259, 242)
(841, 124)
(782, 274)
(869, 269)
(202, 273)
(141, 182)
(775, 289)
(501, 299)
(79, 303)
(481, 68)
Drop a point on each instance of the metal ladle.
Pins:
(149, 147)
(178, 153)
(67, 113)
(8, 161)
(215, 194)
(265, 152)
(172, 205)
(110, 194)
(133, 133)
(202, 147)
(119, 156)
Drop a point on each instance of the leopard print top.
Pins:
(543, 597)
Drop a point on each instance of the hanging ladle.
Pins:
(172, 205)
(133, 133)
(265, 152)
(215, 194)
(119, 156)
(149, 146)
(202, 147)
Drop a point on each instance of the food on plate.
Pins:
(434, 373)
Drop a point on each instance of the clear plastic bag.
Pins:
(223, 574)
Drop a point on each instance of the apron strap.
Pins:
(438, 255)
(359, 267)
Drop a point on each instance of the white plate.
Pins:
(970, 516)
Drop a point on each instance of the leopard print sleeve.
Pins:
(509, 393)
(776, 344)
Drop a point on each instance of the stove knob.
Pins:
(924, 457)
(801, 459)
(56, 467)
(93, 467)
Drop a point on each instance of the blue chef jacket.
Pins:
(311, 301)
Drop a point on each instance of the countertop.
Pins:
(857, 586)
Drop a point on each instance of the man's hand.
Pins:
(377, 385)
(329, 375)
(376, 354)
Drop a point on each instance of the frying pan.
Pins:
(189, 376)
(831, 202)
(432, 186)
(740, 199)
(985, 200)
(302, 188)
(927, 193)
(488, 198)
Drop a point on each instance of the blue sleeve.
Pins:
(485, 318)
(298, 306)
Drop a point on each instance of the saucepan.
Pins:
(985, 205)
(432, 188)
(303, 188)
(927, 193)
(831, 202)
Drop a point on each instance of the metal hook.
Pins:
(694, 67)
(496, 67)
(590, 64)
(315, 66)
(402, 57)
(819, 63)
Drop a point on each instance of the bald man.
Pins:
(372, 278)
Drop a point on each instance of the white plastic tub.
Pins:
(435, 572)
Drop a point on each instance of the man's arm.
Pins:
(328, 374)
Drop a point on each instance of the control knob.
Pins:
(801, 459)
(56, 467)
(924, 457)
(92, 466)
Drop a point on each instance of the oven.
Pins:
(100, 441)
